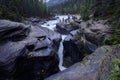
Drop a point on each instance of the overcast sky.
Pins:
(46, 0)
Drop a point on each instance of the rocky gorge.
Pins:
(53, 50)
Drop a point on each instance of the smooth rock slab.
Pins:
(96, 66)
(13, 30)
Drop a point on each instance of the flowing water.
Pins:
(51, 24)
(60, 53)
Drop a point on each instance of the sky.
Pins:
(46, 0)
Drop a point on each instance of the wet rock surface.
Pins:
(27, 52)
(96, 66)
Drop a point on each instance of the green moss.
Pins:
(116, 61)
(107, 50)
(81, 43)
(115, 73)
(60, 78)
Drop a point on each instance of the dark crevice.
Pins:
(30, 47)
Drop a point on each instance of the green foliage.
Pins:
(115, 37)
(115, 74)
(86, 8)
(68, 7)
(102, 9)
(110, 11)
(60, 78)
(107, 9)
(82, 7)
(16, 9)
(116, 61)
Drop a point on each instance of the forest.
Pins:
(86, 7)
(16, 9)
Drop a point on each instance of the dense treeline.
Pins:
(69, 6)
(15, 9)
(107, 8)
(101, 8)
(82, 7)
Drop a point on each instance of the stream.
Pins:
(51, 24)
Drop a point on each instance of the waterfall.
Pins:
(60, 53)
(51, 24)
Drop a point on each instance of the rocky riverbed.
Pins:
(53, 50)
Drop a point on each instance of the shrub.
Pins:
(115, 74)
(115, 37)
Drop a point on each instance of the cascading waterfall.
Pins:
(51, 25)
(60, 53)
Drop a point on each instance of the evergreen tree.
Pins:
(14, 9)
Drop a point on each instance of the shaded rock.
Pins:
(96, 66)
(33, 19)
(76, 47)
(96, 32)
(60, 28)
(89, 47)
(40, 62)
(54, 36)
(33, 57)
(71, 52)
(66, 28)
(35, 68)
(8, 54)
(12, 30)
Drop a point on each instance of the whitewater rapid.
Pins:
(51, 24)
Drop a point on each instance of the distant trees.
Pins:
(100, 8)
(69, 6)
(14, 9)
(82, 7)
(86, 8)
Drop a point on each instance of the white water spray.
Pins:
(52, 25)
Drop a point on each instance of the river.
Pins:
(51, 24)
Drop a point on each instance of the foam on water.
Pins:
(52, 25)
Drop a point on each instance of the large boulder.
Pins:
(31, 20)
(76, 47)
(54, 36)
(72, 54)
(96, 31)
(41, 61)
(32, 57)
(66, 28)
(8, 54)
(12, 30)
(96, 66)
